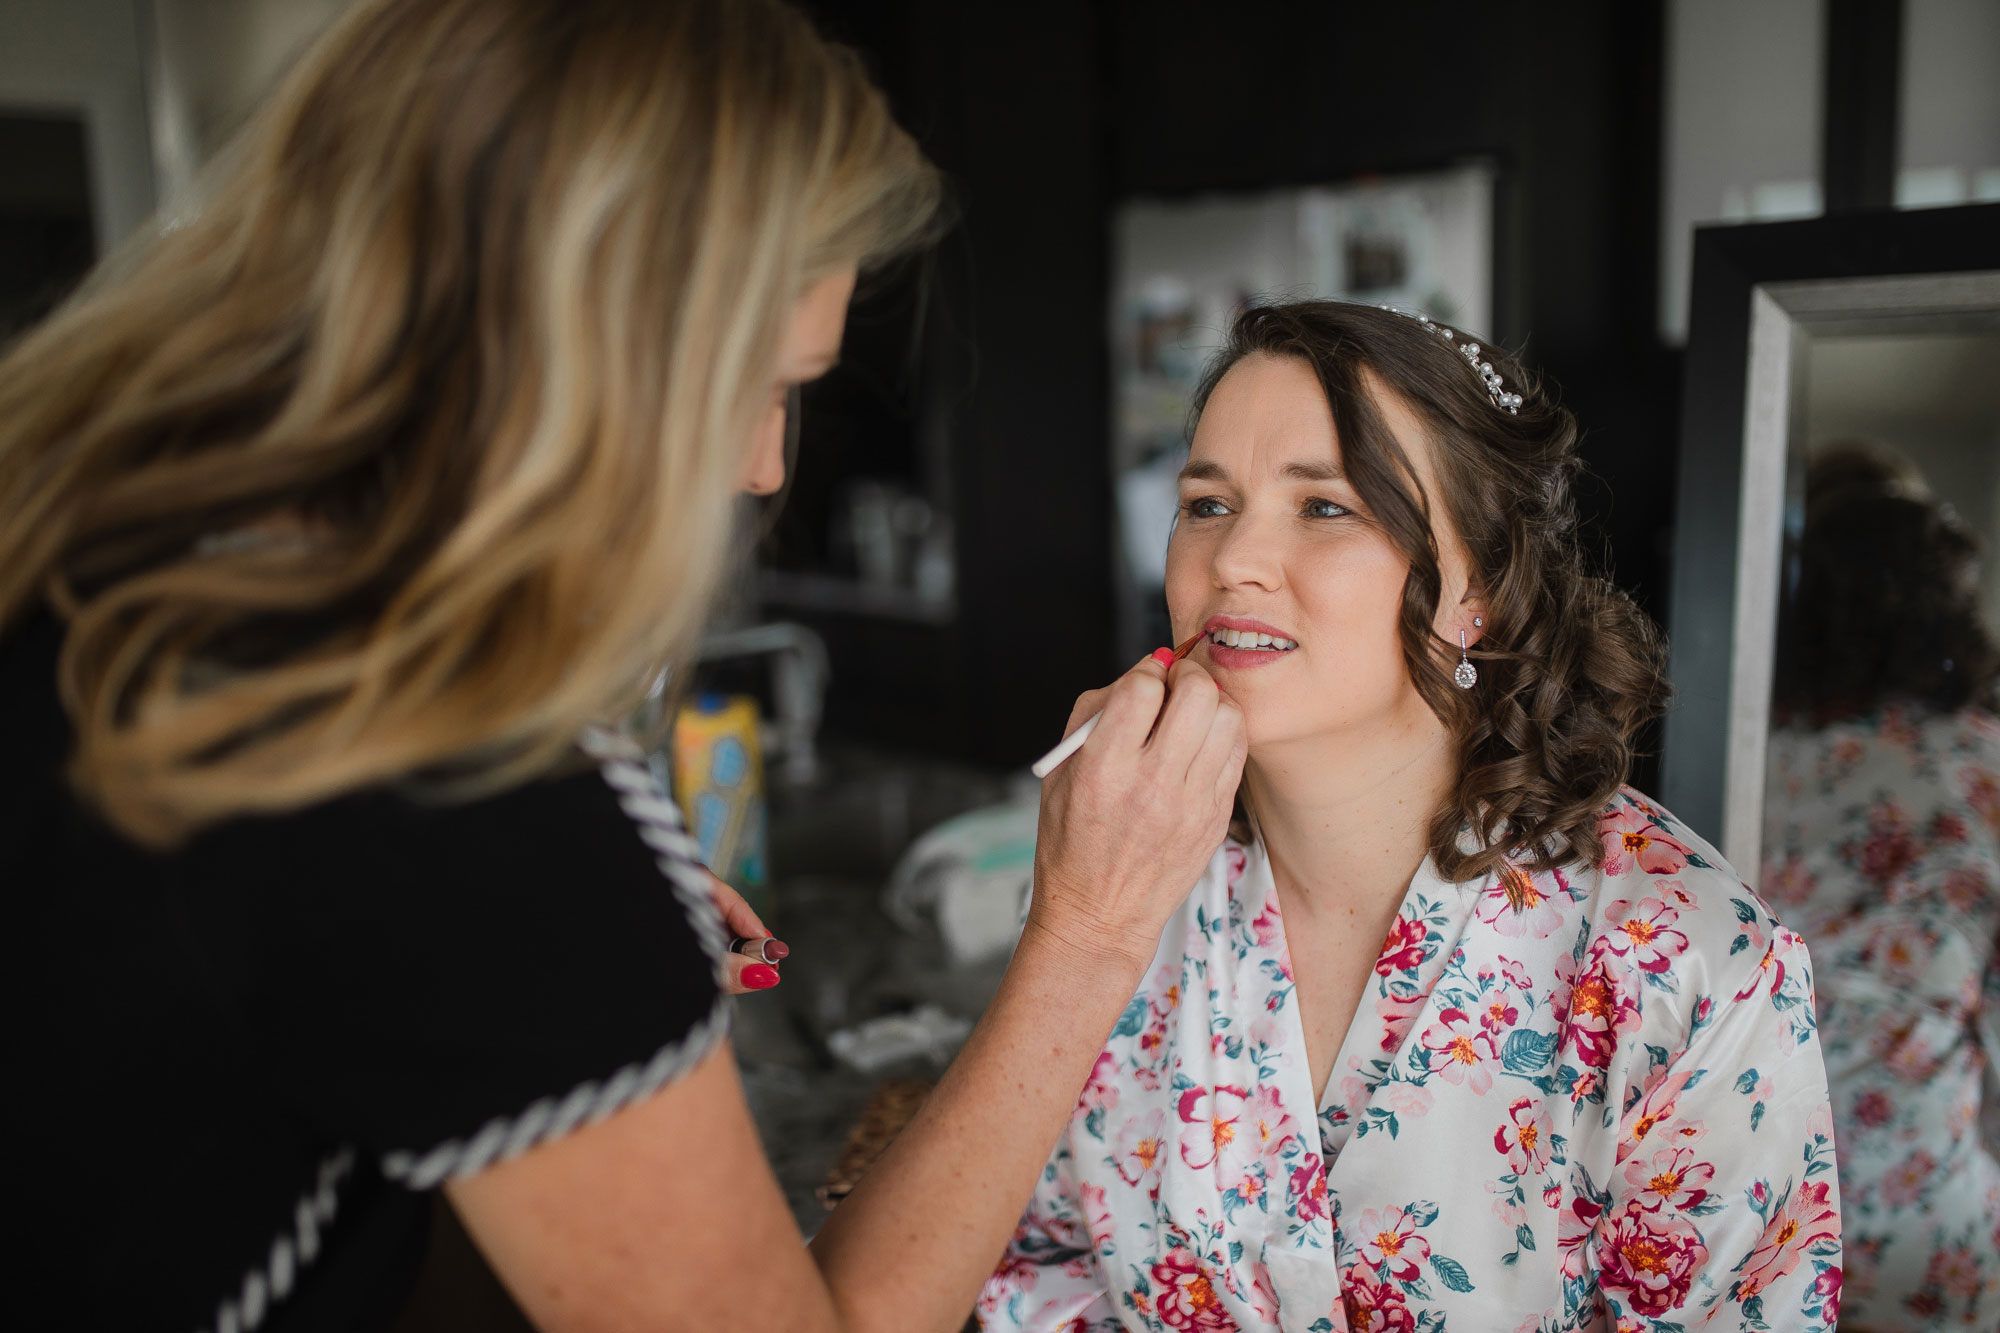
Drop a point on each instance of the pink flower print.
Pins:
(1982, 793)
(1211, 1123)
(1956, 1270)
(1516, 906)
(1467, 1050)
(1100, 1091)
(1653, 1123)
(1770, 973)
(1408, 1099)
(1552, 1196)
(1890, 846)
(1583, 1085)
(1873, 1109)
(1390, 1240)
(1644, 933)
(1375, 1306)
(1306, 1195)
(1237, 859)
(1651, 1258)
(1499, 1013)
(1827, 1288)
(1788, 883)
(1398, 1014)
(1946, 826)
(1263, 1295)
(1403, 951)
(1270, 1127)
(1965, 889)
(1517, 976)
(1669, 1177)
(1801, 1222)
(1506, 1206)
(1631, 838)
(1904, 1183)
(1096, 1213)
(1524, 1139)
(1140, 1142)
(1186, 1298)
(1265, 925)
(1902, 950)
(1601, 1011)
(1575, 1225)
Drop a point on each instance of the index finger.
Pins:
(1131, 707)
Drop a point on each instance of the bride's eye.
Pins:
(1206, 507)
(1324, 509)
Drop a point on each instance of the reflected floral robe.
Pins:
(1580, 1099)
(1882, 847)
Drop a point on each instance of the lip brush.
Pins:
(1073, 742)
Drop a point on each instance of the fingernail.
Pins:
(758, 976)
(1164, 656)
(777, 950)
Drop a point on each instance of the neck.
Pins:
(1346, 820)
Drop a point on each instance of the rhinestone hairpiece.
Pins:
(1509, 403)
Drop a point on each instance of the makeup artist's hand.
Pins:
(1129, 823)
(742, 975)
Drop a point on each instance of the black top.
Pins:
(244, 1063)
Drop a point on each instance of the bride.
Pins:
(1455, 1027)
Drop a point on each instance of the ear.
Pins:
(1471, 616)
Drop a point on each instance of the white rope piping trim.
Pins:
(293, 1250)
(658, 819)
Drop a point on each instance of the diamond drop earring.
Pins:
(1466, 675)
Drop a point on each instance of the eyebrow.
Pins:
(1208, 470)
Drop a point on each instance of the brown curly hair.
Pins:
(1570, 668)
(1886, 607)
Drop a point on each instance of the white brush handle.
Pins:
(1071, 743)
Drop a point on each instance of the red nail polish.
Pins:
(759, 976)
(1164, 656)
(777, 950)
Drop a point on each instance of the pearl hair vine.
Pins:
(1509, 403)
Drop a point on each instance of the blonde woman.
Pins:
(335, 526)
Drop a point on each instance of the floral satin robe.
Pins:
(1882, 846)
(1580, 1099)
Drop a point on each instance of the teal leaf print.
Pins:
(1235, 1251)
(1426, 1324)
(1738, 945)
(1527, 1052)
(1524, 1236)
(1744, 911)
(1132, 1019)
(1452, 1273)
(1756, 1116)
(1423, 1212)
(1747, 1080)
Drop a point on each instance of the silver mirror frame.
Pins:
(1759, 292)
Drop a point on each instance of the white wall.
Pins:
(1948, 142)
(1741, 125)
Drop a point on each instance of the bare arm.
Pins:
(666, 1215)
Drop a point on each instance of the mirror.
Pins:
(1835, 627)
(1880, 831)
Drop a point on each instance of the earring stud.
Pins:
(1466, 675)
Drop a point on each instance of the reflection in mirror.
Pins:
(1881, 840)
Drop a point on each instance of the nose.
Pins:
(1248, 556)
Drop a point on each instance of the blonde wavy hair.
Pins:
(413, 451)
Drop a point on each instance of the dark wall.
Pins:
(1047, 114)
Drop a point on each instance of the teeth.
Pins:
(1251, 640)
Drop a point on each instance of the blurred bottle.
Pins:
(719, 783)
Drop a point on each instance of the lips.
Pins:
(1247, 636)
